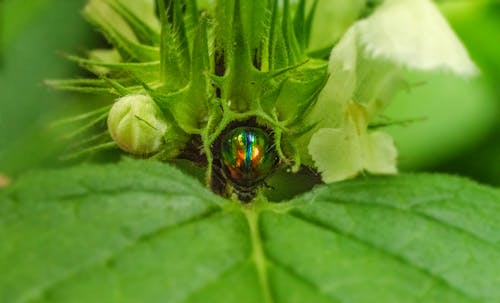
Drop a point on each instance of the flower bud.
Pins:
(137, 125)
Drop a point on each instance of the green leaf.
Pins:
(141, 231)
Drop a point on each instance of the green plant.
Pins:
(141, 231)
(251, 63)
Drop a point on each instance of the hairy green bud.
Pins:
(137, 125)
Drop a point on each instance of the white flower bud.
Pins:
(137, 125)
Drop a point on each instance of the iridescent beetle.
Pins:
(244, 155)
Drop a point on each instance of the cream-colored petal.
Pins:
(355, 76)
(336, 153)
(378, 81)
(330, 108)
(413, 33)
(379, 153)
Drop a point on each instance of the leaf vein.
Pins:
(274, 262)
(419, 213)
(45, 290)
(235, 267)
(398, 258)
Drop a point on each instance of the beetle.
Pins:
(244, 155)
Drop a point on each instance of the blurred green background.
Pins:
(460, 133)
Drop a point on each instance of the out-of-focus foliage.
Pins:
(450, 115)
(35, 33)
(478, 25)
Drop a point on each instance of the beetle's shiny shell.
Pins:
(248, 155)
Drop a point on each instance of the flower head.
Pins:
(198, 69)
(366, 69)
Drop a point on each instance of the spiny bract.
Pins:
(207, 65)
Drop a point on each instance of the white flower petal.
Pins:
(380, 154)
(330, 108)
(413, 33)
(366, 69)
(336, 153)
(344, 152)
(355, 76)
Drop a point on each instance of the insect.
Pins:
(243, 157)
